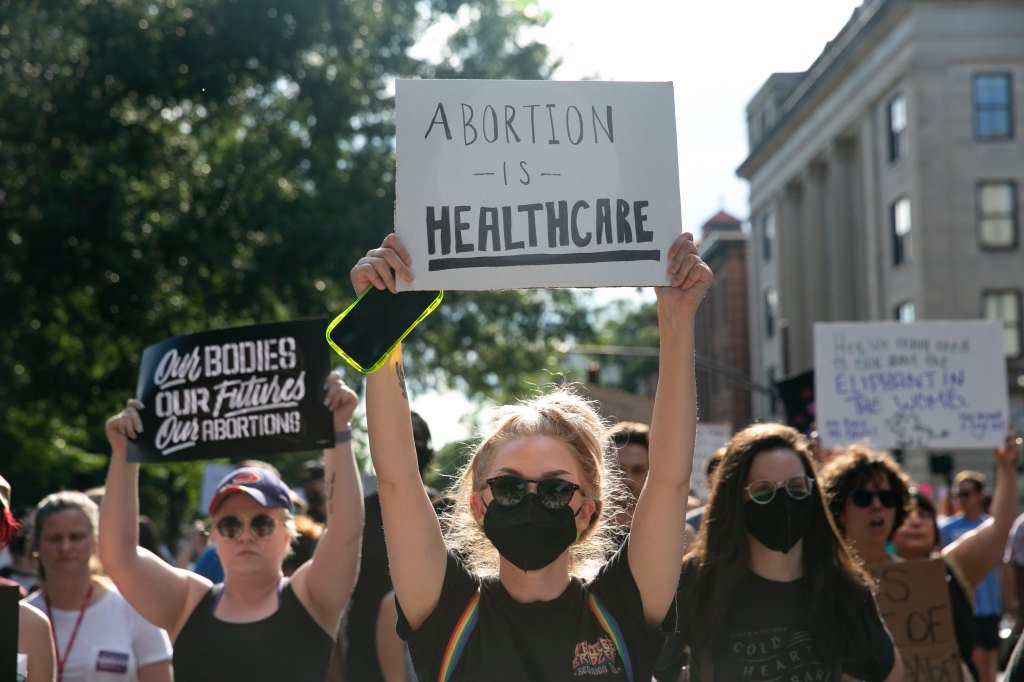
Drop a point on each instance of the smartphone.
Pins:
(368, 330)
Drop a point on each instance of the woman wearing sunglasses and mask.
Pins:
(871, 497)
(512, 595)
(256, 625)
(773, 592)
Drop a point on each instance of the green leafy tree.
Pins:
(631, 331)
(170, 166)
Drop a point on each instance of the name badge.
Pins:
(112, 662)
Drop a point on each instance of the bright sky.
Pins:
(717, 53)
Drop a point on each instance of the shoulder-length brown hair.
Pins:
(718, 567)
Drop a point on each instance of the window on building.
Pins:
(993, 106)
(1004, 306)
(771, 312)
(899, 220)
(767, 234)
(997, 214)
(899, 144)
(904, 312)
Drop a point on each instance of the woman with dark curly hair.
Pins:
(874, 502)
(774, 593)
(869, 496)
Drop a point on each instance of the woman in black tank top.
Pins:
(256, 625)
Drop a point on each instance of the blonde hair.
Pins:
(65, 500)
(976, 477)
(564, 415)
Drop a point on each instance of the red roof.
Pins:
(723, 217)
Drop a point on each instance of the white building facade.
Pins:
(885, 183)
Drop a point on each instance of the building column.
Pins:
(815, 272)
(792, 314)
(841, 234)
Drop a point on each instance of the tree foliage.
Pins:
(631, 330)
(171, 166)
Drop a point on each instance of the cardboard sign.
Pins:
(918, 385)
(246, 391)
(517, 184)
(913, 598)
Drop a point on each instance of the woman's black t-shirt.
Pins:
(557, 640)
(770, 637)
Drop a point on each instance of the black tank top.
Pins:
(288, 645)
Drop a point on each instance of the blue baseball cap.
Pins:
(261, 485)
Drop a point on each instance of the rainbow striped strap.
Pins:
(460, 635)
(467, 623)
(611, 628)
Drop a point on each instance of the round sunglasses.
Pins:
(762, 491)
(863, 498)
(509, 490)
(231, 526)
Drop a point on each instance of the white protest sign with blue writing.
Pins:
(917, 385)
(517, 184)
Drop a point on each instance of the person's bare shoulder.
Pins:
(30, 619)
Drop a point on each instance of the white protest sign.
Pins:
(917, 385)
(710, 437)
(517, 184)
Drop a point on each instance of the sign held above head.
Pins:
(935, 384)
(246, 391)
(522, 184)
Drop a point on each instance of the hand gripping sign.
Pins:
(246, 391)
(520, 184)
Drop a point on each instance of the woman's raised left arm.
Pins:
(324, 583)
(656, 538)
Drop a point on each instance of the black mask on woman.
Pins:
(779, 524)
(529, 534)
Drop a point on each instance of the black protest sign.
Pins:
(240, 392)
(914, 601)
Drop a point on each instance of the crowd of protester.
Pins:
(567, 549)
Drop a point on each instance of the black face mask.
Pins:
(529, 534)
(779, 524)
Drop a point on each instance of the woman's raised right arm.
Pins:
(416, 548)
(978, 552)
(164, 595)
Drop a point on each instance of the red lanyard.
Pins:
(62, 660)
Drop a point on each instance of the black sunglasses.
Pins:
(231, 526)
(862, 498)
(554, 493)
(762, 491)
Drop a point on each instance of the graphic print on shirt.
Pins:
(593, 659)
(777, 655)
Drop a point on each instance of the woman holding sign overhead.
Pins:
(771, 592)
(519, 589)
(256, 625)
(873, 503)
